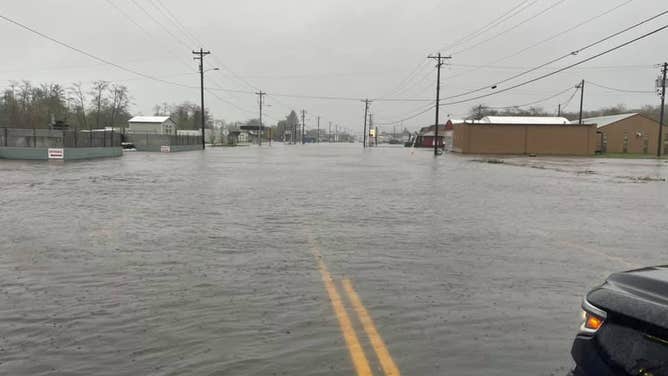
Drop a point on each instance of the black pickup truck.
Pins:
(625, 326)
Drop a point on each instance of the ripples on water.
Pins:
(199, 263)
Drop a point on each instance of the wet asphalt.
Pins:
(222, 262)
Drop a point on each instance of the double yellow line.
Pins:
(359, 359)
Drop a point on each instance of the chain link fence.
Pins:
(49, 138)
(141, 140)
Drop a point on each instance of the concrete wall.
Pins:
(90, 153)
(524, 139)
(173, 148)
(23, 153)
(614, 135)
(69, 153)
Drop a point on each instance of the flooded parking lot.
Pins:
(264, 261)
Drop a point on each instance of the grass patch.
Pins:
(628, 156)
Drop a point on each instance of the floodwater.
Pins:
(219, 262)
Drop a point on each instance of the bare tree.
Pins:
(119, 102)
(78, 98)
(97, 91)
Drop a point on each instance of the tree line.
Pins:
(480, 111)
(101, 104)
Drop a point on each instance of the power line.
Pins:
(568, 101)
(90, 55)
(621, 90)
(413, 116)
(422, 64)
(179, 40)
(496, 35)
(534, 102)
(497, 21)
(175, 21)
(129, 18)
(561, 69)
(554, 36)
(572, 53)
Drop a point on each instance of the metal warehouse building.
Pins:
(524, 135)
(627, 133)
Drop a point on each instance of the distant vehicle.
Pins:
(128, 146)
(625, 326)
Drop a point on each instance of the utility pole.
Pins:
(259, 131)
(294, 132)
(329, 133)
(303, 125)
(439, 63)
(376, 138)
(201, 53)
(317, 139)
(370, 127)
(559, 110)
(582, 92)
(366, 111)
(336, 133)
(663, 106)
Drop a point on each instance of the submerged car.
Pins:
(625, 326)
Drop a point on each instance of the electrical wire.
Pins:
(129, 18)
(413, 116)
(165, 28)
(399, 87)
(534, 102)
(496, 35)
(560, 69)
(490, 25)
(572, 53)
(552, 37)
(568, 101)
(621, 90)
(92, 56)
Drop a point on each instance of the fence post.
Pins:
(34, 138)
(6, 137)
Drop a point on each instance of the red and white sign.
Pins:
(165, 149)
(56, 153)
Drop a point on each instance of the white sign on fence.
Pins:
(165, 149)
(56, 153)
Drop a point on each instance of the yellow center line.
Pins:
(360, 361)
(382, 352)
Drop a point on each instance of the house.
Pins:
(626, 133)
(152, 124)
(524, 135)
(426, 135)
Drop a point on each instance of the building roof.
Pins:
(602, 121)
(523, 120)
(149, 119)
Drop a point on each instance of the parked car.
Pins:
(128, 146)
(625, 326)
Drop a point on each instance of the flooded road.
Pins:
(264, 261)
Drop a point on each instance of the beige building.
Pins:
(152, 124)
(627, 133)
(524, 135)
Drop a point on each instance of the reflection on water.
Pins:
(199, 263)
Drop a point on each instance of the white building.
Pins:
(152, 124)
(533, 120)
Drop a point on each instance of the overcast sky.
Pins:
(343, 48)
